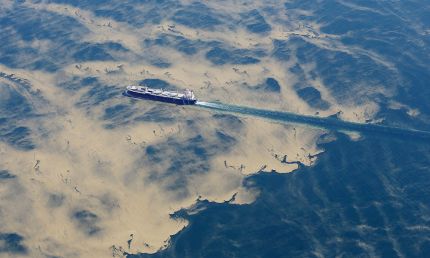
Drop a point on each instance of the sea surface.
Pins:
(88, 172)
(365, 198)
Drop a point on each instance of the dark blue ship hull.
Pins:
(160, 98)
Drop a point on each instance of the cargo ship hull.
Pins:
(161, 98)
(186, 98)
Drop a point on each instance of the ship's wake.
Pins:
(320, 122)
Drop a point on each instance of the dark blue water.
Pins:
(321, 122)
(12, 244)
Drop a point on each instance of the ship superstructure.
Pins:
(186, 97)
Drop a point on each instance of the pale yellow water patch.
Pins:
(414, 112)
(94, 170)
(354, 136)
(264, 144)
(86, 164)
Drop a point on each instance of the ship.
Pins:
(186, 97)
